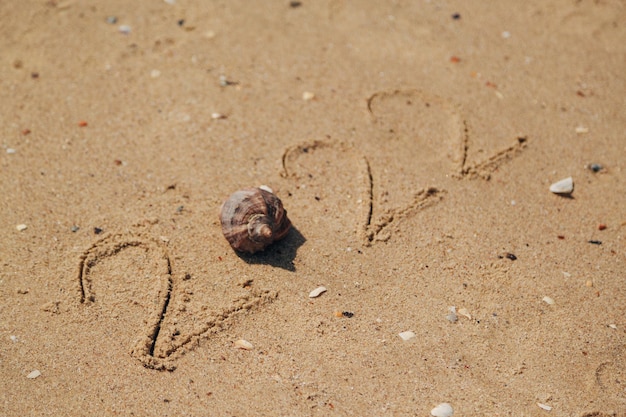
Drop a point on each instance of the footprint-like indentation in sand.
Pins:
(416, 143)
(130, 277)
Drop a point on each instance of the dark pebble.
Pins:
(75, 229)
(294, 4)
(97, 230)
(111, 20)
(595, 242)
(347, 314)
(595, 167)
(511, 256)
(456, 16)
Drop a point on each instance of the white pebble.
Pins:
(244, 344)
(21, 227)
(544, 407)
(442, 410)
(548, 300)
(565, 186)
(613, 326)
(581, 129)
(217, 116)
(34, 374)
(11, 150)
(125, 29)
(13, 338)
(155, 73)
(307, 95)
(317, 292)
(266, 188)
(506, 34)
(408, 335)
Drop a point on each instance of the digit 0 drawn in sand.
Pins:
(144, 283)
(416, 138)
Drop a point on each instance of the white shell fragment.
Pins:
(565, 186)
(548, 300)
(544, 406)
(442, 410)
(317, 292)
(408, 335)
(244, 345)
(463, 311)
(307, 95)
(451, 316)
(21, 227)
(34, 374)
(266, 188)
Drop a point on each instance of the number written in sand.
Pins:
(121, 282)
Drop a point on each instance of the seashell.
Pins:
(252, 219)
(565, 186)
(442, 410)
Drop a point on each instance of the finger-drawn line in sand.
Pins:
(145, 347)
(422, 132)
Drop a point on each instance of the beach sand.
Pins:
(413, 145)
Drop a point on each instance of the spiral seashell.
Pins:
(252, 219)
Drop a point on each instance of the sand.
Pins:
(413, 145)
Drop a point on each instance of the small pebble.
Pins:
(595, 167)
(595, 242)
(564, 186)
(613, 326)
(601, 226)
(111, 20)
(463, 311)
(317, 292)
(506, 34)
(589, 283)
(172, 2)
(456, 16)
(408, 335)
(347, 314)
(11, 151)
(216, 116)
(13, 338)
(155, 73)
(548, 300)
(295, 4)
(34, 374)
(21, 227)
(244, 345)
(581, 129)
(442, 410)
(124, 29)
(544, 407)
(307, 95)
(75, 229)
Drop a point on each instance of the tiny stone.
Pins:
(589, 283)
(548, 300)
(581, 129)
(244, 345)
(566, 274)
(124, 29)
(456, 16)
(13, 338)
(21, 227)
(408, 335)
(34, 374)
(170, 1)
(74, 229)
(612, 326)
(595, 167)
(216, 116)
(97, 230)
(11, 150)
(155, 73)
(442, 410)
(601, 226)
(307, 95)
(506, 34)
(111, 20)
(347, 314)
(294, 4)
(595, 242)
(463, 311)
(317, 292)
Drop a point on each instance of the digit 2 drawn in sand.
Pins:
(414, 137)
(151, 293)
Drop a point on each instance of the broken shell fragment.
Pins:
(317, 292)
(565, 186)
(407, 335)
(244, 345)
(252, 219)
(442, 410)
